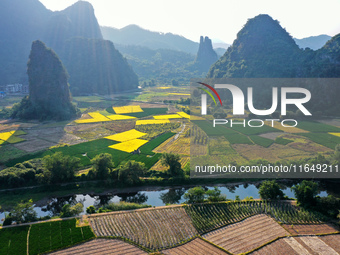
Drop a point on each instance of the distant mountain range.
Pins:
(94, 65)
(313, 42)
(135, 35)
(152, 54)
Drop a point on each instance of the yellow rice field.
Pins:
(336, 134)
(126, 136)
(169, 116)
(149, 122)
(292, 130)
(5, 135)
(179, 94)
(127, 109)
(163, 87)
(184, 115)
(120, 117)
(194, 117)
(96, 117)
(159, 167)
(129, 146)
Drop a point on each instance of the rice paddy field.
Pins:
(307, 140)
(141, 126)
(247, 227)
(130, 132)
(121, 130)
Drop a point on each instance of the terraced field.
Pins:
(246, 235)
(306, 245)
(311, 229)
(208, 217)
(333, 241)
(151, 228)
(195, 247)
(102, 247)
(210, 228)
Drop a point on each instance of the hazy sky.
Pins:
(218, 19)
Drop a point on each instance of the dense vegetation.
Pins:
(264, 49)
(163, 66)
(61, 168)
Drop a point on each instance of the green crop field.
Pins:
(324, 139)
(13, 240)
(150, 146)
(148, 160)
(254, 130)
(207, 127)
(54, 235)
(26, 157)
(317, 127)
(86, 147)
(264, 142)
(146, 112)
(283, 141)
(237, 138)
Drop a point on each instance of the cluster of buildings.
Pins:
(16, 88)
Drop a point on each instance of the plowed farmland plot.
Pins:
(195, 247)
(312, 229)
(247, 234)
(278, 247)
(102, 247)
(304, 245)
(316, 245)
(332, 241)
(151, 228)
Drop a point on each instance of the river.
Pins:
(157, 197)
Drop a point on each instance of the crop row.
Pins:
(54, 235)
(13, 240)
(207, 217)
(43, 237)
(153, 229)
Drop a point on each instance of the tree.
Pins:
(70, 211)
(173, 196)
(172, 161)
(102, 165)
(306, 192)
(61, 167)
(24, 212)
(131, 171)
(90, 209)
(336, 156)
(214, 195)
(270, 190)
(195, 195)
